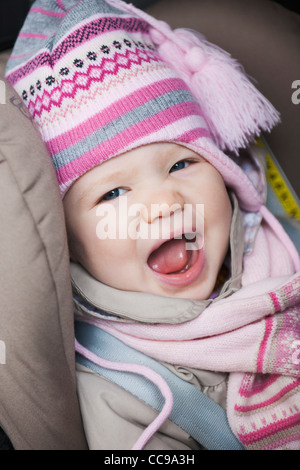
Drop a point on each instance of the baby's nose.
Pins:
(163, 203)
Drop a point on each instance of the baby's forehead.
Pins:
(153, 153)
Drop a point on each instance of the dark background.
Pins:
(13, 13)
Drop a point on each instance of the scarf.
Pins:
(254, 334)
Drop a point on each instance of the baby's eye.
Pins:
(180, 165)
(113, 194)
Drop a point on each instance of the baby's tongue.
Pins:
(169, 257)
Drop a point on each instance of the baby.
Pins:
(185, 286)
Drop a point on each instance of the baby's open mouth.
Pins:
(171, 257)
(174, 264)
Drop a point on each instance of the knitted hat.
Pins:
(102, 77)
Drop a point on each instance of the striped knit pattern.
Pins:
(268, 406)
(96, 87)
(267, 412)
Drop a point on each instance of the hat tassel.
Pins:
(234, 109)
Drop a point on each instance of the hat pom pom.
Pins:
(234, 109)
(195, 58)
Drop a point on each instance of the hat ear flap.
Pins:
(233, 108)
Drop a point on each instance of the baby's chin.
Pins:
(200, 290)
(200, 293)
(195, 292)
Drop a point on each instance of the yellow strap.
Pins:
(280, 187)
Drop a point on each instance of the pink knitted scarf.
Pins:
(254, 335)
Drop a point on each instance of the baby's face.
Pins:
(127, 217)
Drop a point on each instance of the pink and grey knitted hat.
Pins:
(101, 77)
